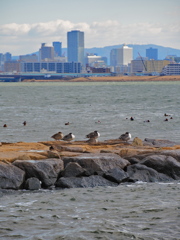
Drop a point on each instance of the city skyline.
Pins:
(26, 24)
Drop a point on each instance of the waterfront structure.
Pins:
(171, 69)
(155, 66)
(46, 52)
(51, 67)
(152, 53)
(57, 49)
(137, 65)
(75, 46)
(12, 66)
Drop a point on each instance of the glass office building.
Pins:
(75, 45)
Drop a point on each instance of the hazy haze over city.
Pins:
(25, 24)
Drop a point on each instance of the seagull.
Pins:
(69, 137)
(58, 136)
(94, 135)
(125, 137)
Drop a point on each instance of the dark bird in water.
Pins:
(5, 125)
(166, 115)
(69, 137)
(94, 135)
(166, 120)
(125, 137)
(24, 123)
(67, 123)
(58, 136)
(131, 118)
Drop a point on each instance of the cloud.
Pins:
(27, 38)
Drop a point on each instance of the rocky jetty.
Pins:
(57, 164)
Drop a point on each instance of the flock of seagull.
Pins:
(92, 137)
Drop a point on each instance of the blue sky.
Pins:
(25, 24)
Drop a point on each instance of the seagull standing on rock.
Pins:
(125, 137)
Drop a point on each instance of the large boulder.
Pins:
(32, 184)
(84, 182)
(11, 177)
(173, 153)
(163, 164)
(139, 172)
(97, 163)
(73, 169)
(116, 175)
(45, 170)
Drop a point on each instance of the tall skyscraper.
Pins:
(152, 53)
(57, 49)
(75, 45)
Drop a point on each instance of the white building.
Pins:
(121, 56)
(171, 69)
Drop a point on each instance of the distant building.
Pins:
(12, 66)
(28, 58)
(46, 52)
(155, 65)
(57, 49)
(121, 57)
(75, 46)
(91, 58)
(53, 67)
(137, 65)
(171, 69)
(152, 53)
(7, 57)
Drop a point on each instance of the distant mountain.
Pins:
(105, 51)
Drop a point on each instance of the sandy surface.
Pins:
(40, 150)
(115, 79)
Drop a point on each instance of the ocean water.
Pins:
(142, 211)
(105, 107)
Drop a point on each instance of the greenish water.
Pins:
(47, 106)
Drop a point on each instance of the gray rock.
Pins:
(32, 184)
(97, 163)
(163, 164)
(116, 175)
(73, 169)
(11, 177)
(139, 172)
(84, 182)
(45, 170)
(160, 143)
(173, 153)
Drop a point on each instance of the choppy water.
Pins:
(47, 106)
(137, 211)
(144, 211)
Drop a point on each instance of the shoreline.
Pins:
(113, 79)
(79, 164)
